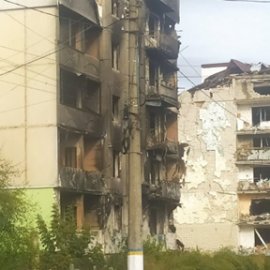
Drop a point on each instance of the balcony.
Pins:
(165, 190)
(162, 95)
(163, 43)
(77, 119)
(79, 61)
(80, 180)
(156, 142)
(253, 156)
(251, 187)
(258, 220)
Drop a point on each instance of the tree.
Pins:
(64, 245)
(17, 237)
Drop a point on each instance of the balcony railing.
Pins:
(253, 155)
(251, 187)
(164, 42)
(81, 180)
(263, 219)
(166, 190)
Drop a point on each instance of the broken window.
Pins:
(152, 123)
(92, 41)
(116, 164)
(262, 89)
(91, 96)
(72, 32)
(79, 91)
(153, 25)
(261, 174)
(259, 207)
(117, 218)
(92, 211)
(261, 142)
(116, 8)
(115, 56)
(155, 172)
(153, 74)
(71, 157)
(264, 234)
(92, 161)
(70, 149)
(68, 88)
(153, 222)
(115, 108)
(168, 78)
(260, 114)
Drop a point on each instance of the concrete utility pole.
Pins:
(135, 252)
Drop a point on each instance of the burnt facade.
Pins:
(73, 106)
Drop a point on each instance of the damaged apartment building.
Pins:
(226, 123)
(65, 110)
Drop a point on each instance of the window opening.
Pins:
(71, 157)
(115, 108)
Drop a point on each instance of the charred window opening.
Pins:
(115, 55)
(260, 114)
(261, 174)
(91, 97)
(153, 74)
(259, 207)
(116, 8)
(71, 157)
(168, 78)
(91, 211)
(169, 26)
(68, 88)
(79, 91)
(265, 235)
(261, 142)
(116, 164)
(155, 160)
(153, 25)
(115, 108)
(117, 218)
(92, 37)
(153, 124)
(155, 172)
(262, 90)
(153, 221)
(92, 159)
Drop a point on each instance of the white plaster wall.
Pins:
(206, 72)
(244, 113)
(28, 120)
(245, 173)
(209, 196)
(246, 237)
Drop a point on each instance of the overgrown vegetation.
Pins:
(17, 240)
(61, 245)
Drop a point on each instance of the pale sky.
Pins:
(217, 31)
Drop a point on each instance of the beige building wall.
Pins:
(208, 216)
(28, 95)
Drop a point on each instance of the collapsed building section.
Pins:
(226, 124)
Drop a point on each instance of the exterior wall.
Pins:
(28, 134)
(209, 193)
(43, 199)
(246, 237)
(208, 236)
(208, 71)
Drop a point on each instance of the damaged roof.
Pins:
(234, 67)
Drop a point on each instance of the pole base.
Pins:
(135, 260)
